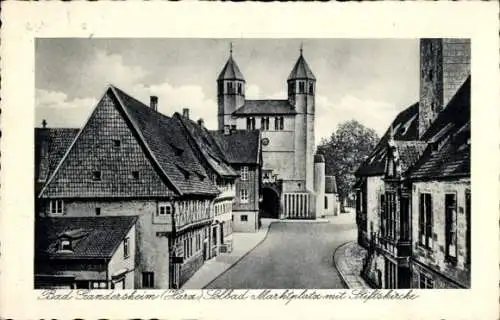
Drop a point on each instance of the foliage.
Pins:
(344, 152)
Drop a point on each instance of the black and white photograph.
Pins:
(252, 163)
(208, 160)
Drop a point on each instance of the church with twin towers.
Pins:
(293, 177)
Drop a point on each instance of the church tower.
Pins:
(230, 92)
(301, 93)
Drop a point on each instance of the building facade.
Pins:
(287, 128)
(413, 191)
(130, 160)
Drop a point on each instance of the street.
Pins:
(294, 255)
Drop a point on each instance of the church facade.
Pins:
(287, 128)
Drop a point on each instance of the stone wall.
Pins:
(435, 257)
(119, 261)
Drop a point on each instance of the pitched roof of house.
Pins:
(265, 107)
(404, 127)
(409, 152)
(50, 146)
(301, 70)
(240, 146)
(207, 146)
(231, 71)
(448, 153)
(91, 237)
(162, 143)
(330, 184)
(457, 112)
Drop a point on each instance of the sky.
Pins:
(369, 80)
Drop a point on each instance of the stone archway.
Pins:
(270, 206)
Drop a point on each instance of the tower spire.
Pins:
(301, 48)
(230, 49)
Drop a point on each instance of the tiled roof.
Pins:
(301, 70)
(240, 147)
(457, 112)
(405, 128)
(91, 237)
(207, 146)
(169, 145)
(50, 146)
(409, 152)
(451, 160)
(231, 71)
(265, 107)
(152, 144)
(449, 141)
(330, 184)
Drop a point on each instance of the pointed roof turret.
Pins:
(301, 69)
(231, 71)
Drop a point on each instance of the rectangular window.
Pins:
(97, 211)
(250, 123)
(164, 209)
(240, 91)
(311, 88)
(302, 87)
(116, 143)
(450, 207)
(230, 88)
(56, 206)
(326, 202)
(66, 245)
(243, 196)
(148, 279)
(276, 123)
(244, 218)
(425, 282)
(383, 216)
(405, 218)
(126, 252)
(425, 220)
(244, 173)
(99, 285)
(96, 175)
(135, 175)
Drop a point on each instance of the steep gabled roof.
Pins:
(409, 152)
(301, 70)
(231, 71)
(162, 148)
(207, 147)
(266, 107)
(405, 128)
(50, 146)
(91, 237)
(240, 146)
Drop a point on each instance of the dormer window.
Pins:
(65, 245)
(117, 143)
(96, 176)
(178, 151)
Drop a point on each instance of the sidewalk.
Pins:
(243, 244)
(348, 260)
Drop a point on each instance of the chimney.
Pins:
(153, 102)
(444, 67)
(185, 113)
(201, 122)
(44, 123)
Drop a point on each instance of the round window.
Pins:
(265, 141)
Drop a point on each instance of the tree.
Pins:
(344, 152)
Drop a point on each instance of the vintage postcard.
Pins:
(276, 161)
